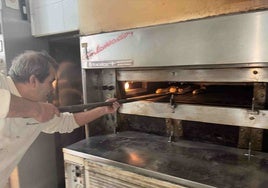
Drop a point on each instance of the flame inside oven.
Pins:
(134, 88)
(126, 86)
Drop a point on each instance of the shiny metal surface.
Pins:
(201, 113)
(192, 164)
(93, 82)
(84, 83)
(218, 74)
(231, 39)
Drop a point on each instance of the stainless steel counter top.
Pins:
(188, 163)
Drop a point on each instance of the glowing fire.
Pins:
(126, 86)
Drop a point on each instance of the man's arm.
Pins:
(20, 107)
(82, 118)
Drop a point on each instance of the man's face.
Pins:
(44, 90)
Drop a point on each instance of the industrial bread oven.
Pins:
(199, 114)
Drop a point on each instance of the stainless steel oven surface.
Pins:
(186, 163)
(206, 125)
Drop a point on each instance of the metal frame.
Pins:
(210, 114)
(177, 74)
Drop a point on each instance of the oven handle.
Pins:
(82, 107)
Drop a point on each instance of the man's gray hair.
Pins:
(31, 63)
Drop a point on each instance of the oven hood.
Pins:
(239, 40)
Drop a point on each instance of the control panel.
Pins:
(74, 175)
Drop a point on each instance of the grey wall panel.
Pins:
(17, 35)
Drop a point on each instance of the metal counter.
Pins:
(187, 163)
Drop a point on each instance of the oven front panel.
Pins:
(231, 39)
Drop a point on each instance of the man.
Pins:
(24, 111)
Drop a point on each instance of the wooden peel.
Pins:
(82, 107)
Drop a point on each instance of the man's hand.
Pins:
(112, 109)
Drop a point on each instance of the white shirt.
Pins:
(17, 134)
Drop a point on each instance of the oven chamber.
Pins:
(222, 60)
